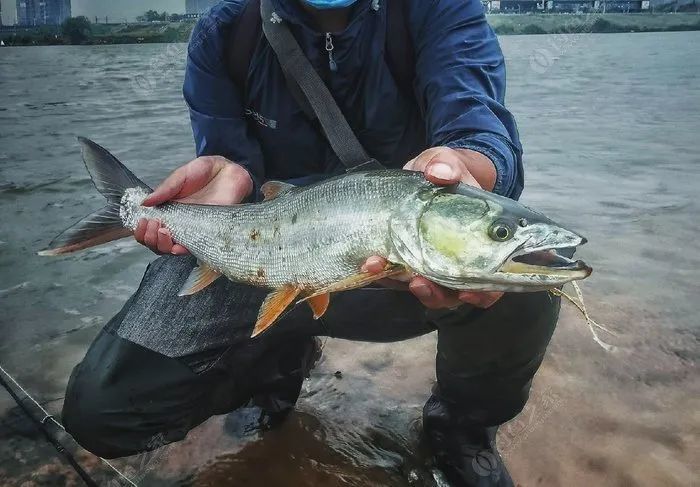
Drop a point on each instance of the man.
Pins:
(165, 364)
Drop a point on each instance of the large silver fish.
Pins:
(307, 242)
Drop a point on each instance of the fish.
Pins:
(306, 242)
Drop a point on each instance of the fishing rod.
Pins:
(41, 426)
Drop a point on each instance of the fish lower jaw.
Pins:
(130, 207)
(506, 282)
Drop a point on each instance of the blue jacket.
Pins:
(459, 92)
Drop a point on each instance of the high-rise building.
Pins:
(42, 12)
(198, 6)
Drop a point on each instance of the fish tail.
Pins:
(112, 179)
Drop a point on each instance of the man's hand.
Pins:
(445, 166)
(209, 180)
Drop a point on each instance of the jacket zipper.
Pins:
(329, 49)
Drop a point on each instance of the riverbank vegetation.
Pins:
(80, 31)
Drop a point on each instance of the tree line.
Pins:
(154, 16)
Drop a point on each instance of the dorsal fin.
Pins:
(371, 165)
(272, 189)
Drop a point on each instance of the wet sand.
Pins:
(608, 123)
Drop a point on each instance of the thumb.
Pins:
(167, 190)
(446, 171)
(443, 172)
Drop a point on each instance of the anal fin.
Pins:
(274, 305)
(200, 277)
(319, 304)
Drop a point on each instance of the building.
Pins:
(42, 12)
(570, 5)
(198, 7)
(513, 6)
(565, 6)
(596, 5)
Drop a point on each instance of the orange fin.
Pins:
(358, 280)
(274, 305)
(272, 189)
(200, 277)
(319, 304)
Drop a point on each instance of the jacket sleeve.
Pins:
(460, 85)
(216, 112)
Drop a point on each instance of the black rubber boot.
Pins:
(465, 454)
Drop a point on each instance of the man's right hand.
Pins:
(208, 180)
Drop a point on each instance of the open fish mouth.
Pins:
(545, 261)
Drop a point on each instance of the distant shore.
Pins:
(503, 24)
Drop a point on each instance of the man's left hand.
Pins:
(445, 166)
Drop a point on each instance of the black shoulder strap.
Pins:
(297, 67)
(400, 54)
(243, 38)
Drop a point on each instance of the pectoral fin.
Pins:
(358, 280)
(319, 304)
(274, 305)
(200, 277)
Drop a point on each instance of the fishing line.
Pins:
(592, 325)
(41, 426)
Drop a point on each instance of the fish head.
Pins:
(470, 239)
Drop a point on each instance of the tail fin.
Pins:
(111, 178)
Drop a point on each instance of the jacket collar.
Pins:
(292, 12)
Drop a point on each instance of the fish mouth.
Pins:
(546, 261)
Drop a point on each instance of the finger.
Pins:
(168, 189)
(150, 239)
(374, 265)
(140, 230)
(179, 250)
(480, 299)
(165, 241)
(433, 296)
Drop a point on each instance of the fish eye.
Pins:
(501, 231)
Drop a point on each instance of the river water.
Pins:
(610, 126)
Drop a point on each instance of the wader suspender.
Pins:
(303, 81)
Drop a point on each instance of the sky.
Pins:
(115, 9)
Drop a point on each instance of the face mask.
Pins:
(328, 4)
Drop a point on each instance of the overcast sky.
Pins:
(115, 9)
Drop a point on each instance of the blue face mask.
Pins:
(327, 4)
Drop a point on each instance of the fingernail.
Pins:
(422, 291)
(164, 231)
(441, 170)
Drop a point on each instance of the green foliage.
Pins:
(153, 16)
(504, 29)
(533, 29)
(602, 25)
(76, 29)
